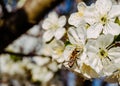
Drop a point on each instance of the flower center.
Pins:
(57, 48)
(87, 26)
(80, 14)
(103, 53)
(54, 26)
(103, 20)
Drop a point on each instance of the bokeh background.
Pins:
(16, 68)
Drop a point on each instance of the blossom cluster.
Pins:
(89, 43)
(39, 69)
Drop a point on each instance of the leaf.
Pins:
(117, 20)
(67, 43)
(15, 58)
(117, 38)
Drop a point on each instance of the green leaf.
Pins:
(117, 38)
(117, 20)
(67, 43)
(15, 58)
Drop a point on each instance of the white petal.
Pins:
(91, 15)
(48, 35)
(46, 24)
(115, 11)
(82, 34)
(59, 33)
(53, 16)
(94, 60)
(92, 50)
(103, 6)
(109, 69)
(111, 28)
(105, 40)
(75, 36)
(60, 59)
(94, 30)
(88, 71)
(91, 47)
(62, 21)
(95, 63)
(50, 20)
(114, 55)
(81, 6)
(76, 19)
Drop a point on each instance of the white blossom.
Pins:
(77, 18)
(101, 18)
(57, 47)
(74, 52)
(54, 26)
(102, 59)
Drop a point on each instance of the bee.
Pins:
(74, 55)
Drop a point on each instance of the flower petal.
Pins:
(86, 69)
(46, 24)
(48, 35)
(111, 28)
(59, 33)
(50, 20)
(53, 16)
(62, 21)
(103, 6)
(76, 35)
(82, 34)
(114, 55)
(95, 63)
(115, 11)
(109, 69)
(81, 6)
(76, 19)
(105, 40)
(94, 30)
(91, 47)
(91, 15)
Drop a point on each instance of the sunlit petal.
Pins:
(94, 30)
(115, 11)
(62, 21)
(112, 28)
(103, 6)
(105, 40)
(59, 33)
(48, 35)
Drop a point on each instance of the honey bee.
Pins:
(74, 55)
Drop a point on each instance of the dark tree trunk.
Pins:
(18, 22)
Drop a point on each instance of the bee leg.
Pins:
(77, 64)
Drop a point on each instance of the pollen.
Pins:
(103, 53)
(80, 14)
(103, 20)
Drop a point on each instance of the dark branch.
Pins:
(4, 10)
(20, 21)
(23, 55)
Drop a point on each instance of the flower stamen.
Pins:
(103, 53)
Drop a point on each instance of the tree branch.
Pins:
(21, 20)
(4, 10)
(23, 55)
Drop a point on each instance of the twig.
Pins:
(23, 55)
(23, 19)
(4, 10)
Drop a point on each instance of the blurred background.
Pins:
(24, 66)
